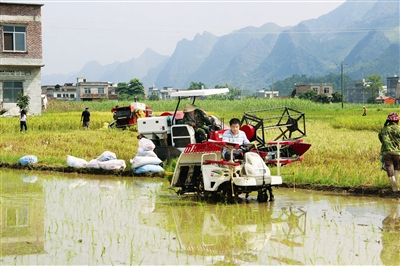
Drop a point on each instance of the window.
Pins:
(87, 90)
(315, 89)
(11, 90)
(58, 95)
(72, 96)
(326, 90)
(14, 38)
(101, 90)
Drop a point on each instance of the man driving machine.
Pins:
(234, 135)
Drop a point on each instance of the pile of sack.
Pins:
(107, 161)
(146, 160)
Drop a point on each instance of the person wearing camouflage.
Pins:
(198, 119)
(389, 137)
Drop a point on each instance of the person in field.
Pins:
(199, 120)
(389, 136)
(85, 118)
(234, 135)
(22, 121)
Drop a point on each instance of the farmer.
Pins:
(85, 118)
(198, 119)
(364, 111)
(389, 137)
(234, 135)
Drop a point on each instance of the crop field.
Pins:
(344, 152)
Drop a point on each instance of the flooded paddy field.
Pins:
(70, 219)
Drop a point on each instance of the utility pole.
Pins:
(272, 88)
(342, 84)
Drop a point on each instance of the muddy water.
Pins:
(53, 219)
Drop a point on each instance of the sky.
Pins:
(76, 32)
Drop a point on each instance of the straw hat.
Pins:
(393, 117)
(189, 108)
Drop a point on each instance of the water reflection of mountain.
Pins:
(22, 216)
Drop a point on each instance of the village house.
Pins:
(94, 90)
(21, 54)
(319, 88)
(66, 92)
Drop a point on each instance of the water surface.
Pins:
(71, 219)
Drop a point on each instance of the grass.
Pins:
(344, 151)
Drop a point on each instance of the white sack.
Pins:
(107, 156)
(140, 160)
(116, 164)
(76, 162)
(146, 144)
(93, 164)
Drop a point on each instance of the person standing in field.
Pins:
(389, 136)
(85, 118)
(22, 121)
(364, 111)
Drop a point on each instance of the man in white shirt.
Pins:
(234, 135)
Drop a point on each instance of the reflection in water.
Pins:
(22, 216)
(110, 220)
(390, 253)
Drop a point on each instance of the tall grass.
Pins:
(344, 151)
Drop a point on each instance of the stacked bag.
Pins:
(107, 161)
(146, 160)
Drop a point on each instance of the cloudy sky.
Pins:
(75, 32)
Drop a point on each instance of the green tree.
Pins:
(234, 93)
(373, 86)
(196, 86)
(336, 97)
(153, 97)
(321, 98)
(23, 101)
(127, 91)
(308, 95)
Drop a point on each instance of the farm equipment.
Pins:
(200, 170)
(126, 116)
(167, 131)
(289, 127)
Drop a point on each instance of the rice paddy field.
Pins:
(55, 218)
(68, 219)
(344, 152)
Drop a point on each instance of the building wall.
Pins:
(22, 66)
(318, 87)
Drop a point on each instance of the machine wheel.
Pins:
(201, 193)
(262, 195)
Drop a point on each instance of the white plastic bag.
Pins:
(148, 168)
(146, 144)
(76, 162)
(107, 156)
(27, 159)
(93, 164)
(140, 160)
(116, 164)
(145, 153)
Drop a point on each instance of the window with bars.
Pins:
(14, 38)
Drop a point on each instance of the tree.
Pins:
(336, 97)
(321, 98)
(153, 97)
(23, 101)
(308, 95)
(373, 86)
(130, 90)
(197, 86)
